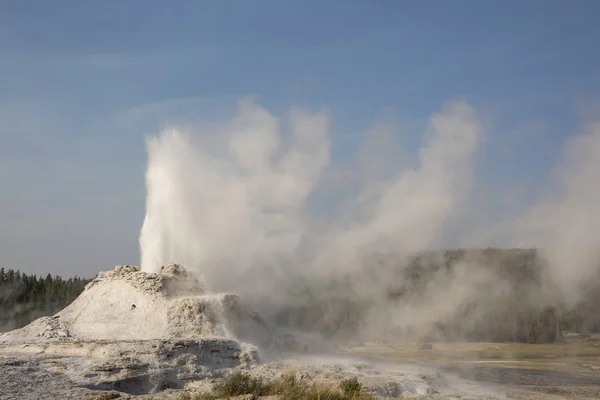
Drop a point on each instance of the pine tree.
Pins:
(24, 298)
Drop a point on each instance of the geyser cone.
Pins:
(129, 304)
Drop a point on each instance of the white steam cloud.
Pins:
(565, 224)
(232, 203)
(407, 213)
(222, 207)
(208, 208)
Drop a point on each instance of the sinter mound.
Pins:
(129, 304)
(141, 332)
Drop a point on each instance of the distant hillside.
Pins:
(489, 294)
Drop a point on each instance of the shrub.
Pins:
(239, 383)
(288, 387)
(351, 387)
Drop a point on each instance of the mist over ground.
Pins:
(235, 203)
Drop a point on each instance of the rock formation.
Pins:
(142, 332)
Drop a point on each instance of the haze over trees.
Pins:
(24, 298)
(519, 306)
(502, 296)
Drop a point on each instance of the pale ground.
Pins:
(58, 372)
(447, 371)
(569, 370)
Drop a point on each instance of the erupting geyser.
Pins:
(159, 326)
(157, 330)
(223, 200)
(226, 208)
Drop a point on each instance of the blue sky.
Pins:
(82, 82)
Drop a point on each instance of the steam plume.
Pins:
(236, 203)
(232, 202)
(564, 224)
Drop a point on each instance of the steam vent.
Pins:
(144, 332)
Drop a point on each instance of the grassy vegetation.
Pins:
(287, 387)
(105, 396)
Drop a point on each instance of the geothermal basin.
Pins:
(132, 333)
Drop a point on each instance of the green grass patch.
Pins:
(104, 396)
(351, 387)
(287, 387)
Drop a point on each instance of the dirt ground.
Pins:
(568, 370)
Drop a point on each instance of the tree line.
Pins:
(511, 299)
(24, 297)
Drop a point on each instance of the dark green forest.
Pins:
(24, 298)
